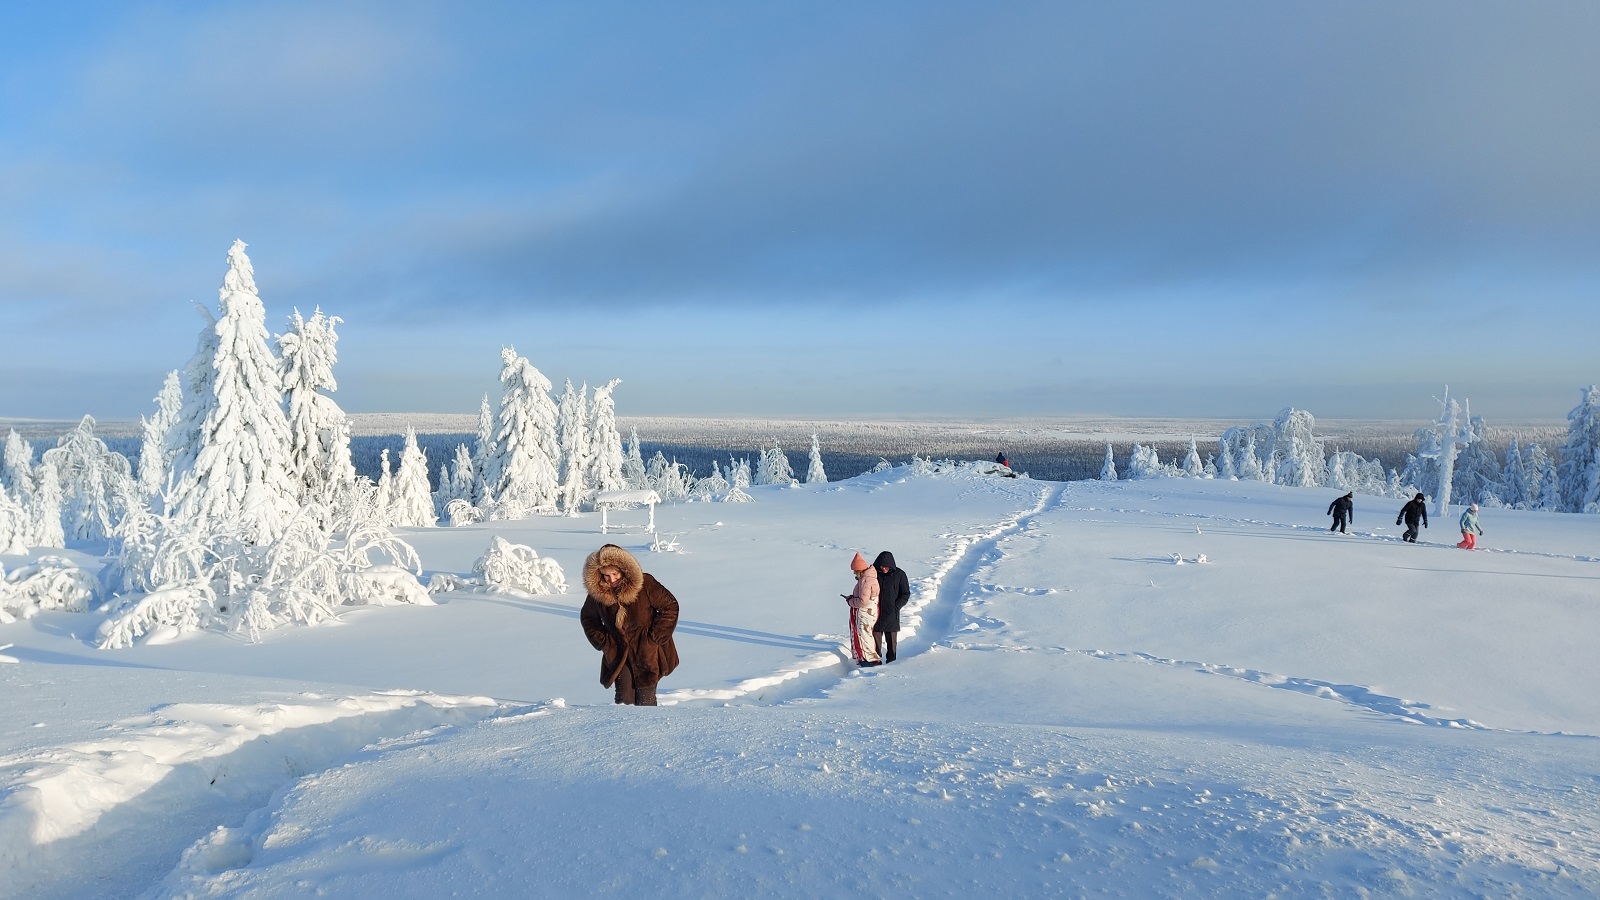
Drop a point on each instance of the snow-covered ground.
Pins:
(1082, 706)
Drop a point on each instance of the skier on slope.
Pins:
(1416, 509)
(1343, 510)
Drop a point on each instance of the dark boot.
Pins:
(645, 696)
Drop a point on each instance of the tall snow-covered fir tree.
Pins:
(522, 475)
(46, 508)
(16, 467)
(605, 455)
(814, 471)
(1580, 456)
(1225, 465)
(483, 451)
(319, 432)
(633, 470)
(1477, 469)
(155, 455)
(231, 448)
(1514, 477)
(572, 436)
(1108, 472)
(1192, 466)
(411, 504)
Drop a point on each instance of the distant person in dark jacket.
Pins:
(1001, 459)
(1415, 510)
(893, 591)
(1343, 510)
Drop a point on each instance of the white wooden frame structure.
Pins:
(605, 501)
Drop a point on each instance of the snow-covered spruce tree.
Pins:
(1514, 477)
(96, 482)
(1108, 472)
(16, 525)
(738, 472)
(814, 471)
(411, 505)
(460, 480)
(1225, 465)
(1302, 462)
(1245, 450)
(1477, 469)
(633, 470)
(45, 508)
(712, 487)
(522, 475)
(1580, 456)
(772, 467)
(605, 443)
(1348, 471)
(1549, 496)
(231, 458)
(1145, 463)
(155, 455)
(319, 431)
(1192, 466)
(671, 480)
(381, 505)
(572, 436)
(483, 451)
(16, 467)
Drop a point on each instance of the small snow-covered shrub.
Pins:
(460, 512)
(185, 576)
(387, 585)
(508, 567)
(48, 583)
(178, 609)
(882, 465)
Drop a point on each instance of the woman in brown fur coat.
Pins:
(629, 617)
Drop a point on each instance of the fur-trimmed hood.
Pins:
(626, 590)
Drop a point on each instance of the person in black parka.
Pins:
(894, 589)
(1415, 510)
(1343, 510)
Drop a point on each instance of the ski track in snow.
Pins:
(1410, 711)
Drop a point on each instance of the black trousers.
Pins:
(887, 642)
(632, 692)
(1410, 536)
(1338, 524)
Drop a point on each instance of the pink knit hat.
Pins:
(858, 564)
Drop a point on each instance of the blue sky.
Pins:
(819, 209)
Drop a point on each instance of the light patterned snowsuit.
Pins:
(863, 602)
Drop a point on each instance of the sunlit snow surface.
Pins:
(1074, 712)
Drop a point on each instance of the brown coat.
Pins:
(632, 624)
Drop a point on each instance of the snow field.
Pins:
(1303, 715)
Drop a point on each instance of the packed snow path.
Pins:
(1040, 734)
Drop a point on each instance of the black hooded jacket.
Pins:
(1343, 508)
(894, 589)
(1415, 509)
